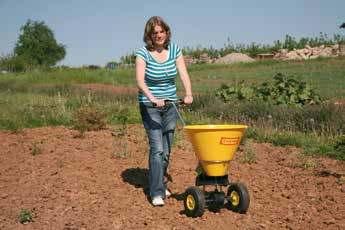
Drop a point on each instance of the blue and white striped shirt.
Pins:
(160, 76)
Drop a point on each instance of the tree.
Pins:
(37, 45)
(342, 26)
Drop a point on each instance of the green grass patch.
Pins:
(51, 97)
(311, 144)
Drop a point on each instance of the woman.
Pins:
(156, 69)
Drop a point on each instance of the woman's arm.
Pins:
(140, 66)
(181, 67)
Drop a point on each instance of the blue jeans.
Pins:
(160, 125)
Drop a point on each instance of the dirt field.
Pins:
(96, 182)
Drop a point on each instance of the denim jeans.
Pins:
(160, 125)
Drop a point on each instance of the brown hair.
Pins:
(149, 29)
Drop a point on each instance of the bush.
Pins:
(14, 63)
(88, 118)
(283, 90)
(339, 146)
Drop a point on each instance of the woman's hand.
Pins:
(188, 99)
(158, 102)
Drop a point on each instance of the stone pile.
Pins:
(283, 54)
(309, 53)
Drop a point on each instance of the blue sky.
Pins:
(96, 32)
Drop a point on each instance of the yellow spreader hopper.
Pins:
(215, 146)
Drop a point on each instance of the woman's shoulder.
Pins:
(142, 49)
(176, 51)
(142, 52)
(174, 45)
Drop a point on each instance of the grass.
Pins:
(312, 144)
(249, 155)
(71, 76)
(326, 75)
(48, 98)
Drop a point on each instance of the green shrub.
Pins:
(25, 216)
(339, 147)
(88, 118)
(13, 63)
(282, 90)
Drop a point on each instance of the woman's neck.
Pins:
(159, 49)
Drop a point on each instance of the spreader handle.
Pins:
(169, 102)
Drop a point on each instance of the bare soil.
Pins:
(99, 182)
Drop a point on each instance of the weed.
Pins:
(339, 144)
(120, 142)
(25, 216)
(306, 162)
(88, 118)
(341, 180)
(120, 135)
(35, 149)
(248, 155)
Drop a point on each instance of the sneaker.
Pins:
(157, 201)
(167, 193)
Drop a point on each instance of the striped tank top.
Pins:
(160, 76)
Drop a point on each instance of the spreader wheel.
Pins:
(194, 202)
(238, 198)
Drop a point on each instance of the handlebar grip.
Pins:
(180, 102)
(167, 102)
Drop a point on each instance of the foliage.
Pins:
(88, 118)
(283, 90)
(248, 155)
(287, 90)
(25, 216)
(128, 59)
(37, 43)
(13, 63)
(339, 145)
(50, 97)
(240, 92)
(35, 149)
(252, 49)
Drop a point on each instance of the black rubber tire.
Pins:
(197, 207)
(242, 203)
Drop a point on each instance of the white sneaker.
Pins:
(167, 193)
(157, 201)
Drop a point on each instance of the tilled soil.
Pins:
(99, 181)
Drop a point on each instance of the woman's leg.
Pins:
(169, 124)
(153, 124)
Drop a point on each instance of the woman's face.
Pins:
(159, 35)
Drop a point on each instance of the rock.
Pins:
(309, 52)
(293, 56)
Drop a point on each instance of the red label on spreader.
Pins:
(229, 141)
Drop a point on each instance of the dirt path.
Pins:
(99, 181)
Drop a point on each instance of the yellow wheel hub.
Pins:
(190, 202)
(234, 198)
